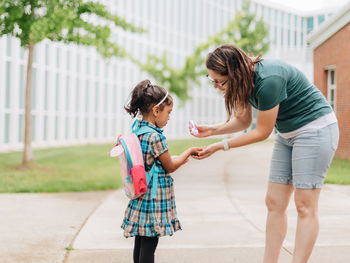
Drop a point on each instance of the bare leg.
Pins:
(306, 202)
(277, 200)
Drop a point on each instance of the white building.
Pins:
(78, 97)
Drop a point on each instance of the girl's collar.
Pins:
(147, 123)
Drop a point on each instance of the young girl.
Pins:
(147, 218)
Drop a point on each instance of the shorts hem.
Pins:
(309, 186)
(280, 180)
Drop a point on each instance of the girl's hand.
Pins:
(203, 131)
(207, 151)
(194, 151)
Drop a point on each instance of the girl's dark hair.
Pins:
(144, 96)
(231, 61)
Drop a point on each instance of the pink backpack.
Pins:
(134, 177)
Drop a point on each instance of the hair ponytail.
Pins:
(144, 96)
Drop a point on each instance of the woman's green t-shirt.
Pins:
(300, 102)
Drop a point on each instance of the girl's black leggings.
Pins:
(144, 249)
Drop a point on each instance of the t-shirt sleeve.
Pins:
(272, 92)
(158, 144)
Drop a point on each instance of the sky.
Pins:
(310, 5)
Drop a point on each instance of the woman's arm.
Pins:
(265, 122)
(240, 122)
(171, 164)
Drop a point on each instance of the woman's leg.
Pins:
(148, 247)
(306, 202)
(277, 200)
(312, 154)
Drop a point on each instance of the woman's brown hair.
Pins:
(231, 61)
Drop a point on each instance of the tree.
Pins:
(243, 31)
(68, 21)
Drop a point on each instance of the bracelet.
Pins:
(225, 143)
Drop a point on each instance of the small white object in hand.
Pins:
(193, 127)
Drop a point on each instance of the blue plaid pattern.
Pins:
(145, 216)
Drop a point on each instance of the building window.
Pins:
(77, 127)
(68, 90)
(282, 37)
(86, 127)
(7, 128)
(87, 97)
(57, 92)
(320, 19)
(96, 128)
(21, 87)
(8, 84)
(34, 89)
(47, 54)
(282, 18)
(288, 37)
(78, 63)
(310, 24)
(77, 96)
(87, 66)
(8, 45)
(45, 128)
(33, 128)
(20, 127)
(67, 128)
(46, 90)
(22, 51)
(331, 88)
(58, 54)
(96, 97)
(56, 127)
(301, 38)
(68, 60)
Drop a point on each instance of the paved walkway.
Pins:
(220, 202)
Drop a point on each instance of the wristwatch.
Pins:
(225, 143)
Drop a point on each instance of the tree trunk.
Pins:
(28, 154)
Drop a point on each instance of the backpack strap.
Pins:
(152, 175)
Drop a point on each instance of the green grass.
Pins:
(339, 172)
(70, 169)
(88, 168)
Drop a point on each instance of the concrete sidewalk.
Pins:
(220, 202)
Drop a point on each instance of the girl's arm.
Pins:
(265, 123)
(171, 164)
(241, 121)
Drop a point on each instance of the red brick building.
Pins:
(331, 50)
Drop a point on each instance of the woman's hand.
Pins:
(203, 131)
(208, 150)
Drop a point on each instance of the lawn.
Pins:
(339, 172)
(88, 168)
(65, 169)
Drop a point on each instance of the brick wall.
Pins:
(336, 51)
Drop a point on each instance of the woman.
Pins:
(306, 141)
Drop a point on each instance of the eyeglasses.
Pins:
(215, 83)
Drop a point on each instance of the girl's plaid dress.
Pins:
(145, 216)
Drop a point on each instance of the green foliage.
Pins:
(243, 32)
(67, 21)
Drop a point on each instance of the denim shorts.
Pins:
(303, 160)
